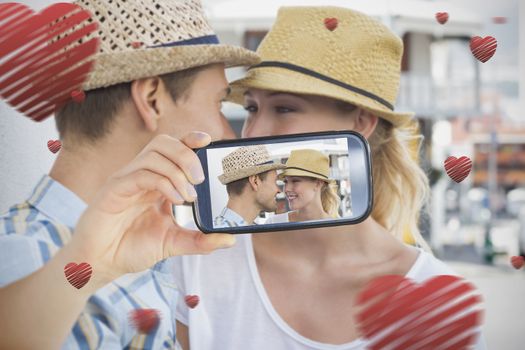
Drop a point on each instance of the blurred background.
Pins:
(464, 108)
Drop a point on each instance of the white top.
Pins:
(236, 313)
(278, 218)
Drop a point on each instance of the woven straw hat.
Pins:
(172, 35)
(307, 162)
(332, 52)
(246, 161)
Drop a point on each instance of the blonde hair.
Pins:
(401, 187)
(330, 199)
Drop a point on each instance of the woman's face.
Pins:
(278, 113)
(301, 191)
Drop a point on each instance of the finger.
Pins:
(196, 139)
(179, 153)
(157, 163)
(118, 194)
(187, 242)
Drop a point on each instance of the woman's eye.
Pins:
(251, 109)
(282, 109)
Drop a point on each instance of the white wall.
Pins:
(24, 156)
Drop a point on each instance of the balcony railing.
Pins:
(427, 98)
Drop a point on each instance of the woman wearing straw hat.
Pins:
(310, 192)
(323, 68)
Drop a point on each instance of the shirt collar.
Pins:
(57, 201)
(230, 215)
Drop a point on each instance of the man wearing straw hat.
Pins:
(250, 178)
(126, 158)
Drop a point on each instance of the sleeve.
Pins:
(21, 255)
(179, 276)
(97, 327)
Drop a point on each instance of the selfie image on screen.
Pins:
(282, 182)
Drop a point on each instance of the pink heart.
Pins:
(442, 17)
(78, 275)
(38, 65)
(191, 301)
(483, 48)
(54, 145)
(331, 23)
(441, 313)
(458, 169)
(145, 320)
(517, 262)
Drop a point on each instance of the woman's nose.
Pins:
(227, 131)
(257, 126)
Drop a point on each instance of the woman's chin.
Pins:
(294, 206)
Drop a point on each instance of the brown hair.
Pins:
(235, 188)
(92, 119)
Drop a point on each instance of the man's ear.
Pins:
(365, 123)
(145, 94)
(254, 181)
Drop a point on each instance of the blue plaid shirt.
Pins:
(228, 218)
(32, 232)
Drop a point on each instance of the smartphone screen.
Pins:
(284, 182)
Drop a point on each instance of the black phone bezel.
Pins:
(204, 188)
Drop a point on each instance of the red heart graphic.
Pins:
(499, 19)
(483, 48)
(78, 96)
(517, 261)
(442, 17)
(38, 65)
(54, 145)
(458, 169)
(145, 320)
(78, 275)
(192, 300)
(331, 23)
(397, 314)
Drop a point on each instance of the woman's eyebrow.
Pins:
(280, 93)
(277, 93)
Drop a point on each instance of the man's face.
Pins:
(200, 108)
(267, 191)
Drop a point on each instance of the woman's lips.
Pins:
(291, 197)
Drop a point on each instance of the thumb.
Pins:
(187, 242)
(196, 139)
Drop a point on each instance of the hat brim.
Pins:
(281, 79)
(246, 172)
(126, 66)
(299, 172)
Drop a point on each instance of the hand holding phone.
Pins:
(284, 182)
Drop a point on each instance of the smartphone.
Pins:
(288, 182)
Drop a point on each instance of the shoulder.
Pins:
(28, 239)
(427, 265)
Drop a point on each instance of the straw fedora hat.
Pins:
(171, 35)
(332, 52)
(246, 161)
(307, 162)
